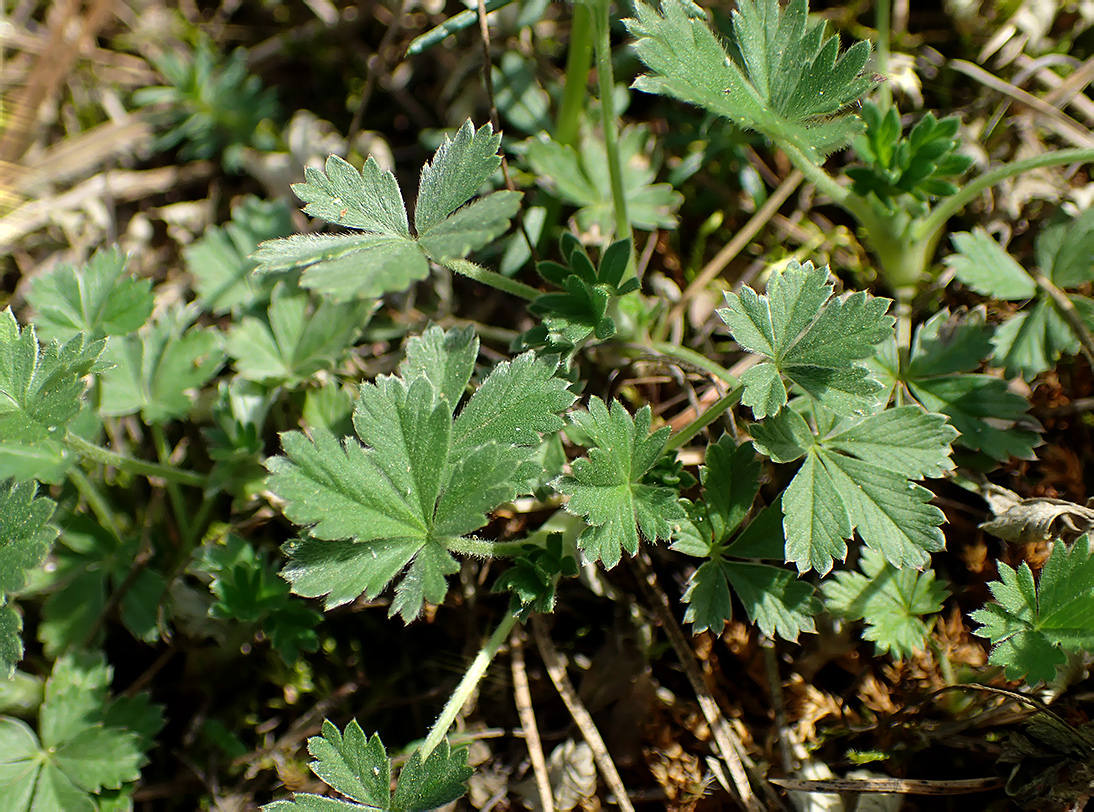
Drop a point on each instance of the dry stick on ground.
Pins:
(739, 241)
(523, 698)
(557, 671)
(729, 744)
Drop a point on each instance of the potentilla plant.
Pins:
(392, 480)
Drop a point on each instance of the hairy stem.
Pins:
(493, 279)
(691, 358)
(133, 466)
(467, 685)
(577, 75)
(606, 85)
(947, 207)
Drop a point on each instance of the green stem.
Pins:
(178, 503)
(467, 685)
(493, 279)
(134, 466)
(482, 548)
(606, 85)
(578, 60)
(692, 358)
(881, 63)
(96, 501)
(717, 409)
(936, 220)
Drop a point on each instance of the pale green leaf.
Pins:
(353, 764)
(369, 200)
(96, 300)
(815, 518)
(220, 261)
(812, 338)
(891, 601)
(905, 440)
(1032, 625)
(40, 387)
(458, 170)
(984, 266)
(445, 358)
(295, 339)
(156, 371)
(605, 488)
(790, 83)
(11, 643)
(1032, 341)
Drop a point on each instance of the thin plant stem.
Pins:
(96, 501)
(468, 684)
(689, 357)
(133, 466)
(493, 279)
(949, 206)
(717, 409)
(578, 59)
(602, 49)
(178, 503)
(1068, 312)
(883, 18)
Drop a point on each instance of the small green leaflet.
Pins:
(155, 370)
(1032, 625)
(891, 601)
(358, 767)
(790, 82)
(857, 475)
(1031, 341)
(41, 387)
(86, 748)
(811, 338)
(220, 261)
(945, 349)
(606, 487)
(423, 480)
(774, 599)
(383, 256)
(95, 300)
(580, 177)
(250, 594)
(294, 339)
(25, 538)
(586, 290)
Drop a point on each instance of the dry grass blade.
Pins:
(523, 698)
(580, 714)
(729, 744)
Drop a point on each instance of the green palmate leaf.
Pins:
(249, 592)
(811, 338)
(90, 564)
(990, 418)
(295, 339)
(606, 488)
(95, 300)
(384, 256)
(790, 82)
(1032, 625)
(912, 169)
(155, 370)
(581, 308)
(358, 767)
(1032, 341)
(892, 602)
(25, 538)
(580, 177)
(857, 476)
(40, 387)
(773, 598)
(77, 754)
(420, 484)
(220, 261)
